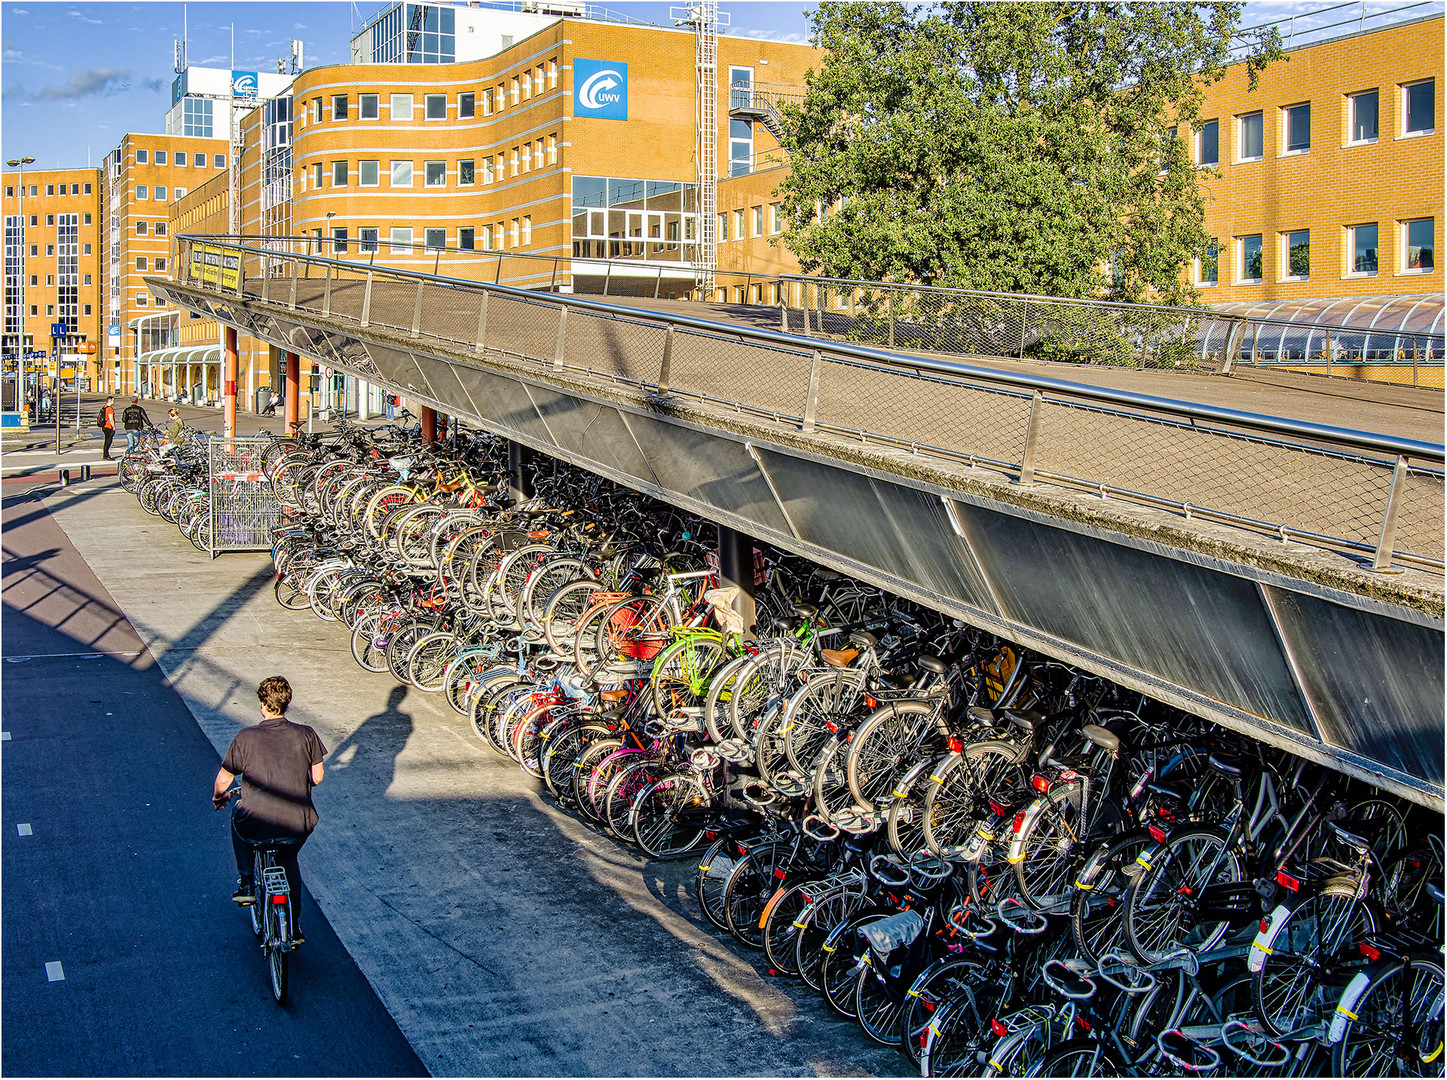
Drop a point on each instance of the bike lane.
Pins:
(122, 951)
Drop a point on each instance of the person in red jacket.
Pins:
(108, 427)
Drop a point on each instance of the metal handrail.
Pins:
(1277, 425)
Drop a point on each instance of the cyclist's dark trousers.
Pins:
(247, 834)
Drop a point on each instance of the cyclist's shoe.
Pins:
(297, 938)
(245, 893)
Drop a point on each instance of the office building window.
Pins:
(514, 161)
(1421, 251)
(367, 173)
(1420, 111)
(160, 193)
(434, 173)
(487, 102)
(434, 106)
(739, 231)
(140, 264)
(339, 241)
(465, 238)
(84, 250)
(199, 160)
(87, 309)
(86, 280)
(142, 157)
(1296, 127)
(1250, 258)
(401, 107)
(160, 264)
(1363, 119)
(776, 218)
(218, 160)
(10, 191)
(487, 169)
(197, 121)
(487, 238)
(514, 89)
(400, 240)
(339, 174)
(142, 192)
(140, 301)
(1249, 137)
(401, 174)
(741, 147)
(723, 228)
(367, 106)
(180, 160)
(160, 157)
(50, 189)
(513, 234)
(526, 155)
(317, 175)
(50, 219)
(527, 229)
(367, 240)
(34, 219)
(552, 149)
(160, 228)
(538, 154)
(464, 171)
(434, 239)
(140, 228)
(1296, 254)
(758, 221)
(466, 106)
(1364, 248)
(339, 106)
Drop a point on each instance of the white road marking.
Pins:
(24, 830)
(4, 736)
(54, 972)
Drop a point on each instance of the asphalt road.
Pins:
(123, 953)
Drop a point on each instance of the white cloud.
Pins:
(84, 18)
(298, 26)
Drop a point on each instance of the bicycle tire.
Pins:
(1158, 919)
(781, 924)
(654, 816)
(1097, 905)
(1081, 1057)
(892, 737)
(713, 872)
(876, 1008)
(1398, 1026)
(278, 948)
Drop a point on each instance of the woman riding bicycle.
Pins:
(279, 763)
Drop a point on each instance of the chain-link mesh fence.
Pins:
(244, 508)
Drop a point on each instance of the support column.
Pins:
(519, 485)
(364, 400)
(293, 392)
(736, 567)
(228, 384)
(429, 424)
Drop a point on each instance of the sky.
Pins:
(75, 77)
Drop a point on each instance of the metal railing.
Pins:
(1335, 20)
(1376, 496)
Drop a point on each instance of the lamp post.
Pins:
(20, 163)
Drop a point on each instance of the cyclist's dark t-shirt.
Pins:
(274, 761)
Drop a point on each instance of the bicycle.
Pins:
(270, 909)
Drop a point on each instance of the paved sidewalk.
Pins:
(504, 937)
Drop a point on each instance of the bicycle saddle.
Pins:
(1025, 721)
(932, 664)
(839, 658)
(1349, 838)
(784, 623)
(1166, 791)
(1228, 765)
(1434, 890)
(862, 639)
(806, 611)
(1101, 737)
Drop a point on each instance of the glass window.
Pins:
(85, 219)
(741, 147)
(400, 240)
(776, 218)
(1421, 247)
(339, 106)
(160, 264)
(1363, 119)
(218, 160)
(85, 189)
(142, 192)
(142, 157)
(487, 102)
(435, 106)
(401, 107)
(434, 173)
(1297, 255)
(50, 219)
(1296, 122)
(464, 171)
(487, 238)
(758, 221)
(1251, 258)
(160, 193)
(180, 159)
(1421, 107)
(339, 174)
(367, 106)
(160, 228)
(199, 160)
(367, 173)
(465, 238)
(160, 157)
(140, 299)
(487, 169)
(1364, 249)
(367, 239)
(527, 229)
(401, 174)
(434, 239)
(1250, 137)
(317, 175)
(141, 263)
(339, 241)
(86, 280)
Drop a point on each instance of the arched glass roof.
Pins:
(1363, 327)
(184, 354)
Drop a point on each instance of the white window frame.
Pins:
(427, 102)
(340, 168)
(427, 245)
(368, 239)
(1351, 250)
(376, 180)
(396, 170)
(1241, 278)
(469, 99)
(472, 163)
(1402, 98)
(376, 103)
(1352, 116)
(427, 174)
(1284, 116)
(1402, 254)
(399, 107)
(1284, 254)
(318, 171)
(1241, 119)
(1201, 281)
(399, 240)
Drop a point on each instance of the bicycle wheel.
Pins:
(428, 660)
(680, 679)
(748, 889)
(963, 989)
(369, 642)
(1298, 975)
(877, 1006)
(713, 872)
(781, 924)
(625, 786)
(258, 898)
(1161, 907)
(889, 740)
(1046, 852)
(632, 632)
(588, 761)
(290, 591)
(966, 789)
(716, 701)
(527, 744)
(1081, 1057)
(654, 816)
(825, 699)
(842, 950)
(278, 947)
(561, 613)
(1398, 1026)
(560, 759)
(826, 910)
(1099, 899)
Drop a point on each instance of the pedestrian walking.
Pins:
(390, 403)
(135, 421)
(45, 405)
(107, 423)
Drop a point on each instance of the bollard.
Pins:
(65, 478)
(84, 473)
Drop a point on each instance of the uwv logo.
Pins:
(244, 84)
(602, 89)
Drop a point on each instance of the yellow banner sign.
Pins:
(215, 266)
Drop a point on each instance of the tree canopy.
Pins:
(1014, 147)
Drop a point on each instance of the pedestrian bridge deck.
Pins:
(1215, 560)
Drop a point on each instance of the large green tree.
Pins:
(1018, 147)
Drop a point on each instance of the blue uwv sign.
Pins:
(600, 89)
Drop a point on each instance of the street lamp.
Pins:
(20, 163)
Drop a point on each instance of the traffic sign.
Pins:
(59, 329)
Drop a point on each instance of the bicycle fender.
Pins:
(1085, 880)
(1016, 851)
(1265, 940)
(1346, 1007)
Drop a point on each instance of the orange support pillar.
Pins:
(293, 392)
(228, 384)
(429, 424)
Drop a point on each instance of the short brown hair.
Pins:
(274, 694)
